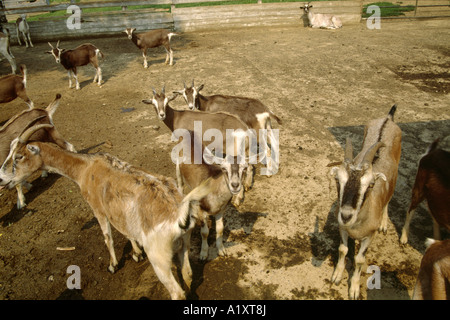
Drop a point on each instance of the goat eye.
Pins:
(19, 157)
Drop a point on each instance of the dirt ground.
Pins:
(283, 241)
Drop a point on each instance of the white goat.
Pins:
(22, 28)
(148, 209)
(5, 50)
(320, 20)
(365, 185)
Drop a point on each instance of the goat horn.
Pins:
(184, 82)
(163, 89)
(154, 91)
(51, 46)
(348, 150)
(57, 44)
(23, 138)
(370, 154)
(192, 83)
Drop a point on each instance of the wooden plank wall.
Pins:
(183, 19)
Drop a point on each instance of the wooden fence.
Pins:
(174, 16)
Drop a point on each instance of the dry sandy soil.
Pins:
(283, 241)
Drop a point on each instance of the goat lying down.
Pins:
(320, 20)
(365, 185)
(148, 209)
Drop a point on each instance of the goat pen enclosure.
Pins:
(283, 241)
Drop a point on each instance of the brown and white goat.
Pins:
(226, 181)
(433, 184)
(22, 28)
(252, 112)
(78, 57)
(16, 125)
(148, 209)
(13, 86)
(365, 185)
(433, 280)
(230, 129)
(152, 39)
(5, 50)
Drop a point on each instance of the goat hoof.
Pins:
(111, 269)
(137, 257)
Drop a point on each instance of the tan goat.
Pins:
(148, 209)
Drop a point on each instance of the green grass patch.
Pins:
(388, 9)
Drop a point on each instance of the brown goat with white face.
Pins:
(80, 56)
(433, 184)
(365, 185)
(251, 111)
(148, 209)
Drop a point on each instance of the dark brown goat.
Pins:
(13, 86)
(433, 184)
(80, 56)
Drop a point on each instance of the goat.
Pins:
(13, 86)
(433, 184)
(80, 56)
(320, 20)
(251, 111)
(14, 126)
(152, 39)
(365, 185)
(226, 175)
(148, 209)
(433, 280)
(22, 28)
(221, 122)
(5, 49)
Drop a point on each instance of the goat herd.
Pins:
(152, 210)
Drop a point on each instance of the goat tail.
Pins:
(171, 34)
(433, 146)
(53, 106)
(273, 116)
(99, 53)
(188, 209)
(23, 71)
(392, 112)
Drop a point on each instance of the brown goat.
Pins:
(13, 86)
(433, 280)
(152, 39)
(80, 56)
(433, 184)
(19, 122)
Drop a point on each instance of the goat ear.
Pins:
(33, 149)
(49, 52)
(379, 175)
(147, 101)
(200, 87)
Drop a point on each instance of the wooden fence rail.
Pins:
(175, 17)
